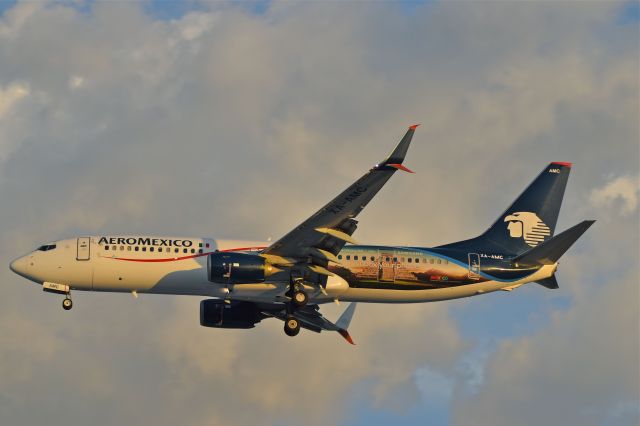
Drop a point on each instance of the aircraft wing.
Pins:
(317, 240)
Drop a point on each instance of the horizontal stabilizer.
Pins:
(550, 283)
(548, 252)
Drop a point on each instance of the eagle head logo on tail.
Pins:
(529, 226)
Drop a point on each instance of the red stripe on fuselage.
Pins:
(193, 256)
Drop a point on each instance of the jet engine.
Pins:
(218, 314)
(237, 268)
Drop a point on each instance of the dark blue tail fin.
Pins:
(532, 217)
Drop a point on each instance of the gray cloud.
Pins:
(228, 123)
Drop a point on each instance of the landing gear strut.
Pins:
(67, 303)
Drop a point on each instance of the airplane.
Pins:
(319, 261)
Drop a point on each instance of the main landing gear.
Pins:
(291, 326)
(299, 298)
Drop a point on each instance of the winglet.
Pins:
(401, 167)
(345, 319)
(343, 322)
(346, 335)
(397, 156)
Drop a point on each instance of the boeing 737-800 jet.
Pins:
(247, 282)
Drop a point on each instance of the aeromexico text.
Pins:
(141, 241)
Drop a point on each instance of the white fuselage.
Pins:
(178, 265)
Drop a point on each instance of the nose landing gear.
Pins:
(67, 303)
(60, 289)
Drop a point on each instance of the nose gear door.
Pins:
(84, 248)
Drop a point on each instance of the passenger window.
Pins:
(193, 250)
(176, 250)
(348, 257)
(128, 248)
(184, 250)
(410, 260)
(200, 251)
(431, 261)
(439, 261)
(159, 249)
(199, 244)
(355, 257)
(395, 259)
(340, 257)
(446, 262)
(387, 259)
(137, 248)
(151, 248)
(106, 247)
(373, 259)
(121, 248)
(144, 249)
(207, 245)
(417, 260)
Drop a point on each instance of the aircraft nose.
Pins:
(19, 266)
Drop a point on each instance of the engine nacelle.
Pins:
(218, 314)
(237, 268)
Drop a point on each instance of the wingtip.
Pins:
(347, 336)
(413, 127)
(401, 167)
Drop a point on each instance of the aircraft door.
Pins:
(386, 267)
(84, 248)
(474, 266)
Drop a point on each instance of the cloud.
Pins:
(235, 124)
(623, 190)
(571, 368)
(11, 95)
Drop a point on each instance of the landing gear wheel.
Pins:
(67, 304)
(300, 298)
(291, 326)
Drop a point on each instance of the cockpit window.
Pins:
(47, 247)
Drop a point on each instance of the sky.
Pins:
(239, 120)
